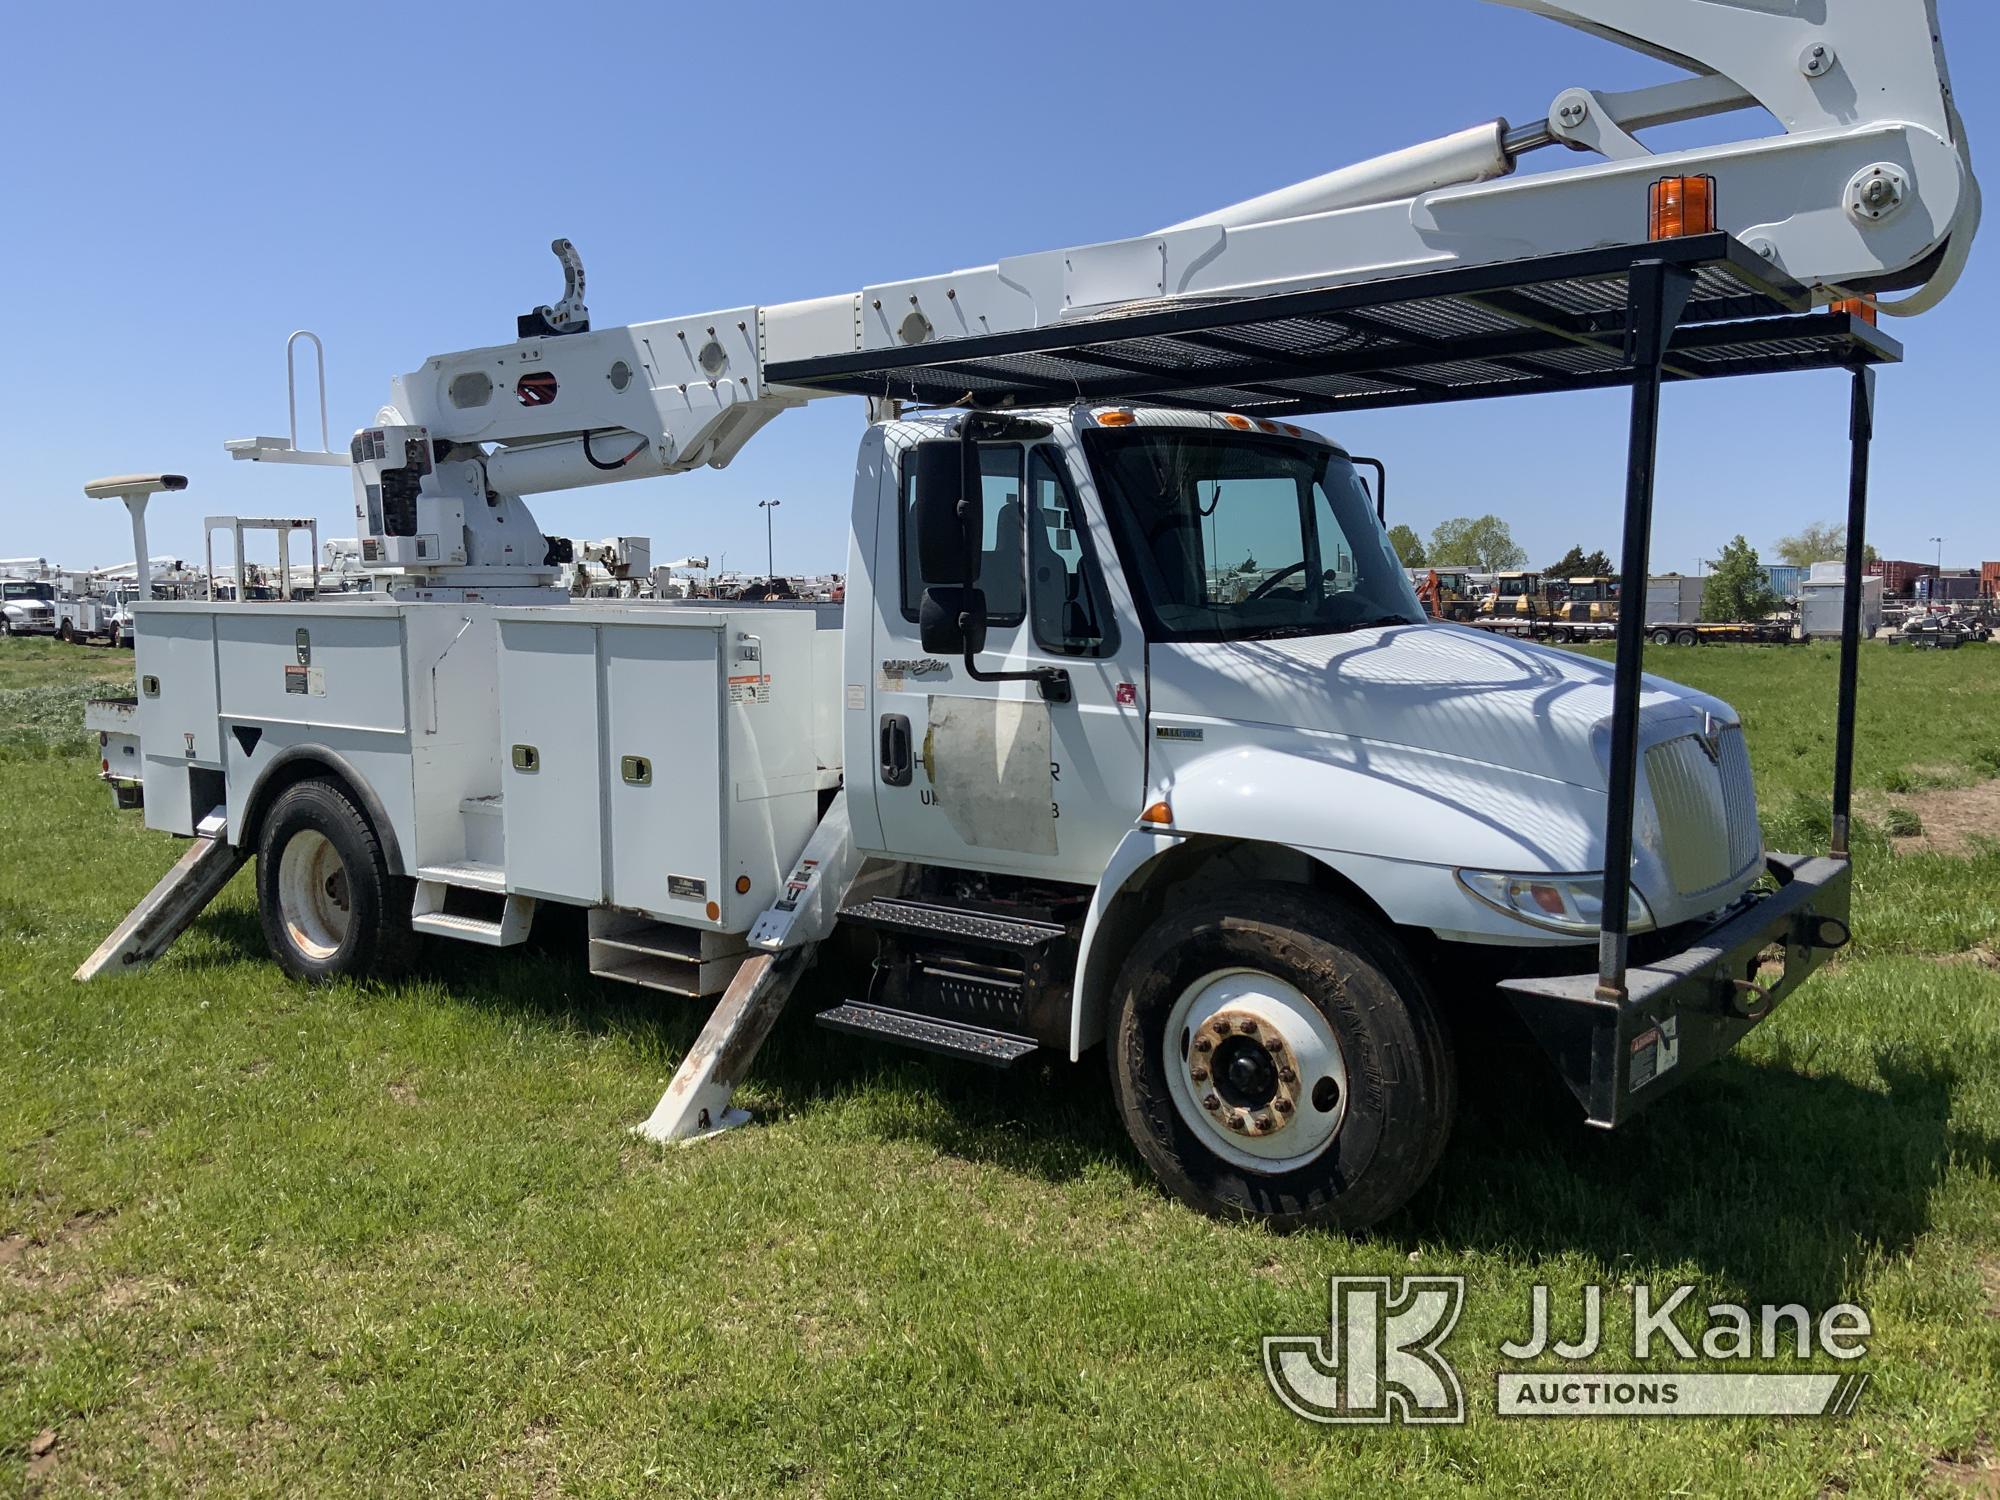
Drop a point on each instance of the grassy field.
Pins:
(258, 1239)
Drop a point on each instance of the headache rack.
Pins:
(1692, 308)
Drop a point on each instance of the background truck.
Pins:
(27, 606)
(1131, 731)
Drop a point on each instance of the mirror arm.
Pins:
(1053, 681)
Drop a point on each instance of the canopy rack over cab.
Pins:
(1640, 315)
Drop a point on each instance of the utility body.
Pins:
(1132, 734)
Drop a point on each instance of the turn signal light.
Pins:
(1159, 813)
(1680, 206)
(1861, 307)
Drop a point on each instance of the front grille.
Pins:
(1707, 808)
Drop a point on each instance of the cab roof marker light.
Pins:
(1120, 418)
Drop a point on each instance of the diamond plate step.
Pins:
(996, 1049)
(921, 919)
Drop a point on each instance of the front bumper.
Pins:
(1689, 1008)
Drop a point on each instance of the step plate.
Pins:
(917, 917)
(994, 1048)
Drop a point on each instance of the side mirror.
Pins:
(948, 518)
(952, 621)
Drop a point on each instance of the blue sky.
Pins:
(185, 185)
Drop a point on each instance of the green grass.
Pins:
(259, 1239)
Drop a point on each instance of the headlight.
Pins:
(1561, 903)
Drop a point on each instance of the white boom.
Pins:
(1866, 188)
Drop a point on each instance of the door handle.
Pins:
(896, 767)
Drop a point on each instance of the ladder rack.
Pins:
(1526, 327)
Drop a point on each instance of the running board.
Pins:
(181, 896)
(997, 1049)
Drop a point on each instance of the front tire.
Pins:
(329, 906)
(1288, 1067)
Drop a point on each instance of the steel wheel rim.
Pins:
(314, 899)
(1246, 1111)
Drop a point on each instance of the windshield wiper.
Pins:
(1379, 620)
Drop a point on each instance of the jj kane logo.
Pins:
(1381, 1358)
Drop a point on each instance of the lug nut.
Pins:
(1262, 1122)
(1211, 1102)
(1247, 1027)
(1274, 1044)
(1286, 1075)
(1203, 1044)
(1198, 1074)
(1236, 1121)
(1282, 1106)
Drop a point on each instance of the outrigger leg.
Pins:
(696, 1103)
(182, 895)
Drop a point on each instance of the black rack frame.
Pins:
(1640, 316)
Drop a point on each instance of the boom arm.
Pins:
(1867, 187)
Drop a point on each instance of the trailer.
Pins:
(1741, 632)
(1131, 732)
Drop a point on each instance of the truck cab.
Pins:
(27, 607)
(1179, 712)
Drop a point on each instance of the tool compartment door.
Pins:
(663, 686)
(550, 763)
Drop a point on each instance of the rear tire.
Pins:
(329, 906)
(1687, 638)
(1330, 1111)
(1663, 638)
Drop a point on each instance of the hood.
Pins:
(1446, 688)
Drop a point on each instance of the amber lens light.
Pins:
(1680, 206)
(1158, 813)
(1861, 307)
(1114, 419)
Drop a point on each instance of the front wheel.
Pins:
(1287, 1066)
(329, 906)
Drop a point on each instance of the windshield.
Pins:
(1231, 538)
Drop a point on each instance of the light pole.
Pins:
(770, 567)
(1937, 578)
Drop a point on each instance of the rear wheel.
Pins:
(329, 906)
(1663, 638)
(1687, 638)
(1288, 1067)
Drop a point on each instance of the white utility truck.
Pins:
(1132, 730)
